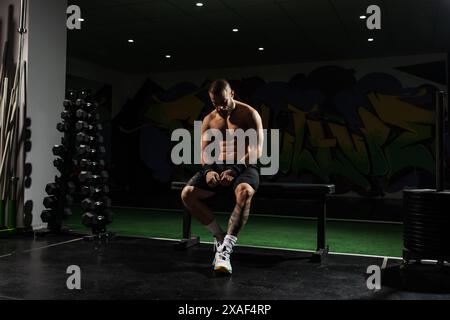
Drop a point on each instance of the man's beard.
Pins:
(226, 110)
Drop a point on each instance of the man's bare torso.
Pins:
(240, 118)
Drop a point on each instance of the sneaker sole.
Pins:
(222, 269)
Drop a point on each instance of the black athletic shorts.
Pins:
(250, 175)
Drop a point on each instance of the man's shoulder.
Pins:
(211, 115)
(247, 110)
(244, 107)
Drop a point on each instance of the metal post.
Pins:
(186, 224)
(322, 249)
(321, 221)
(12, 205)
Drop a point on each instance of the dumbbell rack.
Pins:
(82, 167)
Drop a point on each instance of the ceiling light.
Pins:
(130, 40)
(199, 4)
(370, 39)
(362, 17)
(168, 56)
(81, 19)
(235, 30)
(261, 49)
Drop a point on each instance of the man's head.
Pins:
(221, 96)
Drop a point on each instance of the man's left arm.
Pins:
(254, 151)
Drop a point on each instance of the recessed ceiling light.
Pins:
(199, 4)
(362, 17)
(261, 49)
(130, 40)
(235, 30)
(370, 39)
(168, 56)
(81, 19)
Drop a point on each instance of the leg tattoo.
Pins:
(240, 214)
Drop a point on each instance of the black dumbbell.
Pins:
(50, 202)
(84, 94)
(63, 126)
(93, 153)
(59, 163)
(99, 152)
(85, 163)
(59, 150)
(79, 102)
(83, 137)
(52, 189)
(99, 206)
(66, 115)
(88, 219)
(93, 117)
(81, 125)
(94, 128)
(106, 201)
(101, 190)
(98, 165)
(87, 204)
(71, 95)
(85, 176)
(83, 149)
(94, 166)
(97, 180)
(67, 103)
(89, 107)
(87, 190)
(81, 114)
(47, 215)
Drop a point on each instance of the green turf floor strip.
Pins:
(342, 236)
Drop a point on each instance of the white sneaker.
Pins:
(217, 244)
(222, 260)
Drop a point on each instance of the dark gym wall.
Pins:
(366, 125)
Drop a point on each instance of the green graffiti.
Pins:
(394, 138)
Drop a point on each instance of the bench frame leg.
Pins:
(188, 240)
(322, 248)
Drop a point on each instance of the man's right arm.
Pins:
(206, 163)
(205, 126)
(212, 179)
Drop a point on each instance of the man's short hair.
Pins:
(217, 86)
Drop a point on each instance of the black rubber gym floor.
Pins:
(137, 268)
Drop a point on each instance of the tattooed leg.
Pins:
(244, 193)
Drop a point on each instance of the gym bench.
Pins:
(316, 192)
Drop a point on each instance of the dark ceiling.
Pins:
(289, 30)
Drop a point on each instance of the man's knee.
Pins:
(244, 192)
(187, 194)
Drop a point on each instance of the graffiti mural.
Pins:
(371, 136)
